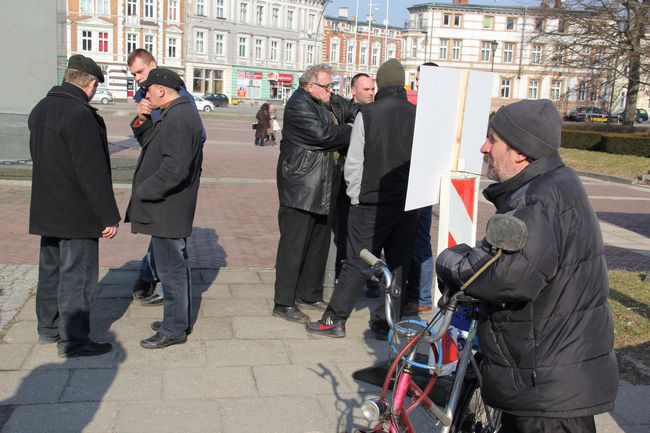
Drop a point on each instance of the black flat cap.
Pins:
(163, 77)
(87, 65)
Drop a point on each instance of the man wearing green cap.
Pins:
(376, 174)
(72, 206)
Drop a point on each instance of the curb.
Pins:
(606, 177)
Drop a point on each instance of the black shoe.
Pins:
(91, 348)
(143, 289)
(292, 314)
(327, 327)
(159, 341)
(152, 301)
(380, 329)
(46, 339)
(158, 324)
(318, 305)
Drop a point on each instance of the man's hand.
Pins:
(143, 109)
(110, 231)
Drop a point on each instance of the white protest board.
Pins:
(453, 104)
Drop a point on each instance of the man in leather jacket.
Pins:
(315, 127)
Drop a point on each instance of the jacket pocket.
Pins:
(505, 353)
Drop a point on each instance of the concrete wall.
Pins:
(28, 68)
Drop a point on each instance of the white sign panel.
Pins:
(451, 106)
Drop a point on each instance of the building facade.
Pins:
(108, 30)
(352, 46)
(505, 40)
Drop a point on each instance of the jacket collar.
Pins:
(497, 193)
(391, 92)
(71, 91)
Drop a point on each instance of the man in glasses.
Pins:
(315, 127)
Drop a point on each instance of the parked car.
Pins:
(641, 116)
(202, 104)
(218, 99)
(588, 113)
(102, 96)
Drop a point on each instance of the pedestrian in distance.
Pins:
(315, 129)
(164, 194)
(263, 117)
(72, 206)
(545, 327)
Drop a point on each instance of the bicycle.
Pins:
(465, 410)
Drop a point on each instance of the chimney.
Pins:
(460, 2)
(559, 4)
(343, 13)
(543, 4)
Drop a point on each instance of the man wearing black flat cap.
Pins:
(163, 198)
(545, 329)
(72, 206)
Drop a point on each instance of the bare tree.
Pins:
(602, 40)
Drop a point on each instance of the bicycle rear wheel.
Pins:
(474, 416)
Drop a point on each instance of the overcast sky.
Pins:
(397, 13)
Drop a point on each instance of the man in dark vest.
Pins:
(376, 174)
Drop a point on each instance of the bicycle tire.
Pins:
(473, 413)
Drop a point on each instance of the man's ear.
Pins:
(520, 157)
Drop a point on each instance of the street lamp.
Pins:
(495, 44)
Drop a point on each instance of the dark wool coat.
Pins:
(263, 123)
(310, 136)
(166, 179)
(72, 192)
(545, 330)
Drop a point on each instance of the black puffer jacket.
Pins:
(546, 329)
(310, 136)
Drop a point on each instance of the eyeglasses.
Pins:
(329, 87)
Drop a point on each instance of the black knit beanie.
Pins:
(390, 73)
(533, 127)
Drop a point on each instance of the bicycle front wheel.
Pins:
(474, 416)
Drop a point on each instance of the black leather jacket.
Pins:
(310, 136)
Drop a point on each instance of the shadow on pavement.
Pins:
(636, 222)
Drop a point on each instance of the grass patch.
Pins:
(630, 302)
(627, 166)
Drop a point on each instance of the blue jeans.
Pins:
(148, 268)
(174, 272)
(67, 281)
(420, 281)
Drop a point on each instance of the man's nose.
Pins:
(487, 145)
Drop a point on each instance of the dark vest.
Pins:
(388, 123)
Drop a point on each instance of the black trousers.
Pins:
(302, 256)
(523, 424)
(373, 228)
(67, 281)
(173, 270)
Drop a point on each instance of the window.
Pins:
(556, 89)
(243, 12)
(131, 42)
(391, 52)
(486, 48)
(86, 40)
(275, 17)
(218, 8)
(505, 88)
(536, 55)
(200, 7)
(334, 50)
(310, 54)
(274, 51)
(132, 8)
(171, 48)
(259, 48)
(243, 42)
(350, 55)
(488, 21)
(219, 48)
(148, 43)
(582, 92)
(444, 44)
(311, 23)
(561, 26)
(172, 10)
(103, 7)
(533, 89)
(539, 24)
(207, 81)
(288, 52)
(259, 16)
(375, 32)
(86, 7)
(458, 20)
(375, 54)
(199, 42)
(414, 47)
(363, 53)
(456, 49)
(103, 42)
(559, 55)
(149, 9)
(446, 20)
(508, 52)
(511, 23)
(290, 19)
